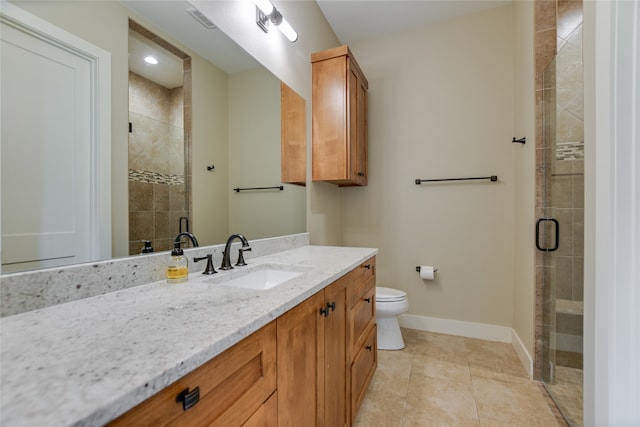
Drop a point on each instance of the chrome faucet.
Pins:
(191, 237)
(226, 256)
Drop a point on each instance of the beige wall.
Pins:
(290, 63)
(441, 105)
(254, 159)
(210, 146)
(524, 174)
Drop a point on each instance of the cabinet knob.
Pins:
(368, 299)
(370, 348)
(367, 266)
(360, 173)
(188, 398)
(324, 311)
(331, 305)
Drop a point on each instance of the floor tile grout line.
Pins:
(475, 394)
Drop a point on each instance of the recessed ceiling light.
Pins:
(151, 60)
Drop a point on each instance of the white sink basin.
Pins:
(262, 279)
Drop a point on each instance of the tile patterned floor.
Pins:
(444, 380)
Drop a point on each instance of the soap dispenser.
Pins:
(178, 267)
(147, 249)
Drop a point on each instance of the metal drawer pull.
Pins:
(367, 299)
(325, 311)
(188, 398)
(367, 266)
(370, 348)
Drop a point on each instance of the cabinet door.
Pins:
(335, 355)
(362, 133)
(300, 360)
(329, 126)
(357, 126)
(293, 137)
(266, 415)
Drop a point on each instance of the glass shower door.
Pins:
(560, 229)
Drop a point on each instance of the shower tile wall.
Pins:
(157, 196)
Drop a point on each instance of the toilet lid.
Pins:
(389, 294)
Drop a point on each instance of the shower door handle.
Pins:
(557, 240)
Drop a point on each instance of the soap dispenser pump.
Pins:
(178, 267)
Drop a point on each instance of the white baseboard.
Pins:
(481, 331)
(523, 354)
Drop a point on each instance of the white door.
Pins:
(48, 153)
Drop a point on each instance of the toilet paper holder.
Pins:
(418, 269)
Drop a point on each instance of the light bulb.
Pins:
(151, 60)
(265, 6)
(288, 31)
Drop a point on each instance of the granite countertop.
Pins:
(86, 362)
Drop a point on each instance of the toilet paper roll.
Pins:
(427, 272)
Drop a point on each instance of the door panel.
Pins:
(46, 155)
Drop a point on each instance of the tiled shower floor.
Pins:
(444, 380)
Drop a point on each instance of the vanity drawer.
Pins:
(360, 280)
(231, 386)
(362, 314)
(362, 369)
(362, 274)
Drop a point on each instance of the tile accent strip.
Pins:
(569, 150)
(155, 177)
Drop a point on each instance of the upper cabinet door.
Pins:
(293, 137)
(339, 118)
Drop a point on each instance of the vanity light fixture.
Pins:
(151, 60)
(266, 12)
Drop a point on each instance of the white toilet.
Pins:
(389, 304)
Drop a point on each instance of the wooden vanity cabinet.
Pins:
(293, 136)
(327, 352)
(309, 367)
(235, 388)
(312, 361)
(339, 126)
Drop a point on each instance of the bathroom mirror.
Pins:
(240, 142)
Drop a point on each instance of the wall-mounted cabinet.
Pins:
(293, 137)
(339, 124)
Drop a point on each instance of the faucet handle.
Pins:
(241, 261)
(209, 268)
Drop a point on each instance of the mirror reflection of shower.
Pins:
(159, 186)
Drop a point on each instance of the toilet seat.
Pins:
(389, 295)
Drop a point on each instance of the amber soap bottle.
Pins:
(178, 267)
